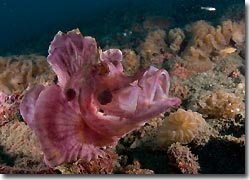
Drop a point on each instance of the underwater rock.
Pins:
(136, 169)
(94, 103)
(182, 159)
(105, 164)
(11, 170)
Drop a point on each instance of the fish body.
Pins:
(228, 50)
(93, 104)
(208, 8)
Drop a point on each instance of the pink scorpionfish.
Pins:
(94, 103)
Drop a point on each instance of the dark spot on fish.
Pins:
(115, 63)
(105, 97)
(101, 110)
(70, 94)
(103, 69)
(100, 69)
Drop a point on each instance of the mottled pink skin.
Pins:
(94, 103)
(27, 107)
(3, 96)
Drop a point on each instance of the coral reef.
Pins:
(183, 126)
(182, 160)
(238, 32)
(135, 169)
(9, 107)
(145, 136)
(152, 50)
(94, 103)
(20, 143)
(207, 40)
(10, 170)
(88, 111)
(222, 105)
(102, 165)
(180, 90)
(176, 36)
(130, 62)
(180, 71)
(3, 96)
(226, 75)
(18, 71)
(198, 61)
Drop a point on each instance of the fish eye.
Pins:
(70, 94)
(104, 97)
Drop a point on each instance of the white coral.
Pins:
(181, 126)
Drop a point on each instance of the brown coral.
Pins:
(176, 37)
(235, 31)
(203, 42)
(130, 62)
(181, 126)
(16, 72)
(198, 60)
(222, 105)
(208, 40)
(152, 50)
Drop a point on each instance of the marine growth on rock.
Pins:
(94, 103)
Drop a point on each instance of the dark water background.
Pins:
(28, 26)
